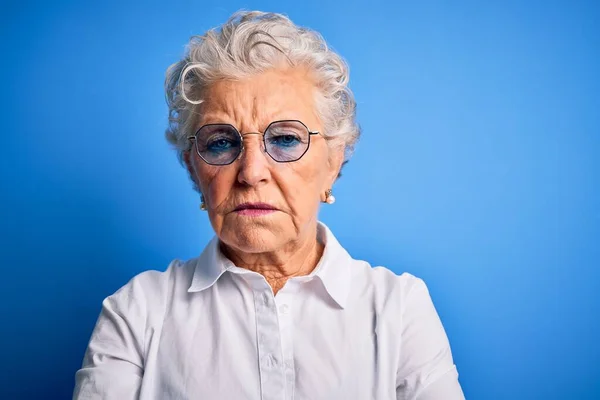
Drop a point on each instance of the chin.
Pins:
(253, 236)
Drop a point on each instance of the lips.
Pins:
(255, 206)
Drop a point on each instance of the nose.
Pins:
(253, 162)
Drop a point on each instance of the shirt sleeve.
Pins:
(113, 365)
(426, 369)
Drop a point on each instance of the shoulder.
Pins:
(391, 296)
(154, 282)
(148, 291)
(387, 281)
(384, 284)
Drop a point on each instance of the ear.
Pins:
(336, 160)
(187, 158)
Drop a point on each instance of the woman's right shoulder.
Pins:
(177, 273)
(153, 289)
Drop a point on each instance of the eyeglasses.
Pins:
(221, 144)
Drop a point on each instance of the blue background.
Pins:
(478, 170)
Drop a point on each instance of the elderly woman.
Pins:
(274, 307)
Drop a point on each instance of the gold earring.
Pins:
(329, 197)
(202, 204)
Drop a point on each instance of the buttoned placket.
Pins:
(273, 335)
(284, 300)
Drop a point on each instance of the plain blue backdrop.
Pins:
(478, 171)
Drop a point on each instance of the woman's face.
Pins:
(293, 189)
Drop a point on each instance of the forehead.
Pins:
(254, 102)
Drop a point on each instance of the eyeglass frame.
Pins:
(194, 140)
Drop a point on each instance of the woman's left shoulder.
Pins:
(385, 287)
(383, 278)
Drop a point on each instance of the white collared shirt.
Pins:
(206, 329)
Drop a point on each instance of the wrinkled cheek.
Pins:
(218, 186)
(306, 201)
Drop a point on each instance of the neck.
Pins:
(296, 258)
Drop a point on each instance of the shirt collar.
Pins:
(210, 265)
(332, 270)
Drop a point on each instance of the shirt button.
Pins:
(270, 361)
(266, 299)
(284, 309)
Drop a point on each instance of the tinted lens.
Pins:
(218, 144)
(286, 140)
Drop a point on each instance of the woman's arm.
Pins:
(113, 365)
(426, 370)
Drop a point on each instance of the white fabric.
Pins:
(206, 329)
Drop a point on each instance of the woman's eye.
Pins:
(219, 144)
(284, 140)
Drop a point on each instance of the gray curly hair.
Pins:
(250, 43)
